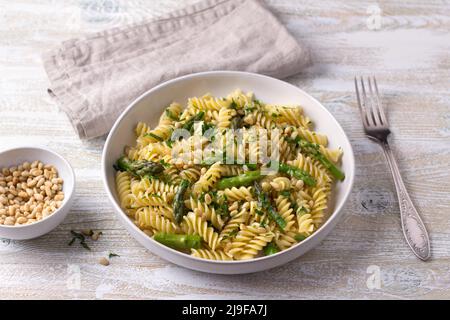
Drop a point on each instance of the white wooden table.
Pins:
(364, 257)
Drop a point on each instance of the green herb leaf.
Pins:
(285, 193)
(231, 234)
(84, 245)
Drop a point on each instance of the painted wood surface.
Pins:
(406, 44)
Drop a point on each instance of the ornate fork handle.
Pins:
(413, 228)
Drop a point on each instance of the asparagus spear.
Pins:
(241, 180)
(179, 241)
(270, 249)
(314, 150)
(188, 124)
(178, 202)
(265, 203)
(300, 237)
(139, 168)
(297, 173)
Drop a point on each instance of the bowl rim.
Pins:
(337, 211)
(66, 196)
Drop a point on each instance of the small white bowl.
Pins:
(148, 108)
(16, 156)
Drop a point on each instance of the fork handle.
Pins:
(414, 230)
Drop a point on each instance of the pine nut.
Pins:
(38, 197)
(21, 220)
(40, 182)
(208, 199)
(103, 261)
(9, 221)
(36, 172)
(48, 191)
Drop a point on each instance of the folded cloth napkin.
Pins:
(93, 79)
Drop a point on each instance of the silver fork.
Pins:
(376, 127)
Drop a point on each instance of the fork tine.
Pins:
(375, 103)
(367, 105)
(380, 106)
(361, 111)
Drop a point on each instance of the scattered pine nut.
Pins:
(104, 261)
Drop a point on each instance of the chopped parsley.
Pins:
(79, 236)
(165, 164)
(285, 193)
(231, 234)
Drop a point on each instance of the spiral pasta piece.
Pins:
(241, 99)
(285, 240)
(305, 224)
(206, 212)
(332, 154)
(141, 129)
(317, 171)
(306, 134)
(224, 118)
(281, 183)
(161, 133)
(148, 218)
(210, 254)
(207, 102)
(242, 193)
(155, 186)
(237, 218)
(286, 212)
(258, 118)
(194, 224)
(249, 241)
(291, 115)
(231, 170)
(319, 197)
(123, 185)
(171, 114)
(192, 174)
(208, 179)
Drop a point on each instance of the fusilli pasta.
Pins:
(224, 197)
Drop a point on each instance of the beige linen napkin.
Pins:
(93, 79)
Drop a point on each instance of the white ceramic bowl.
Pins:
(149, 106)
(16, 156)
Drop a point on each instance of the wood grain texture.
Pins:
(409, 54)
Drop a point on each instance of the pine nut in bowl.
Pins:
(36, 192)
